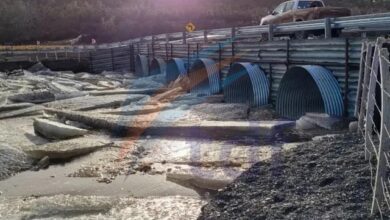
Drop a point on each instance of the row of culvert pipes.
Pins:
(306, 88)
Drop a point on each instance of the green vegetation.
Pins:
(26, 21)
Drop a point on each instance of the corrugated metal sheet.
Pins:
(309, 88)
(204, 77)
(141, 65)
(175, 67)
(158, 66)
(246, 83)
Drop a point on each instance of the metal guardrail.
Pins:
(360, 23)
(373, 110)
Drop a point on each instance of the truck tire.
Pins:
(336, 33)
(300, 35)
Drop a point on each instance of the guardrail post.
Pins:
(346, 88)
(166, 38)
(171, 50)
(132, 55)
(112, 59)
(205, 39)
(197, 50)
(220, 59)
(148, 57)
(184, 37)
(153, 41)
(166, 51)
(288, 54)
(91, 62)
(328, 28)
(271, 81)
(188, 57)
(270, 32)
(233, 34)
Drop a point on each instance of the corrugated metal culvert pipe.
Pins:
(174, 68)
(246, 83)
(309, 89)
(141, 65)
(158, 66)
(204, 77)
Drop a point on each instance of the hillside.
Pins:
(49, 20)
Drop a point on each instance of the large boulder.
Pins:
(55, 130)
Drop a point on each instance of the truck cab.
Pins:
(302, 10)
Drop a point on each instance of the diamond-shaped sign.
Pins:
(190, 27)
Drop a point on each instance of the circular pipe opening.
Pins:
(204, 77)
(174, 68)
(157, 66)
(246, 83)
(309, 89)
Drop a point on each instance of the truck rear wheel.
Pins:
(300, 35)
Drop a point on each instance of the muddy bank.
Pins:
(325, 179)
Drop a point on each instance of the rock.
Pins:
(304, 124)
(325, 137)
(66, 149)
(326, 121)
(35, 97)
(56, 130)
(143, 167)
(104, 179)
(42, 164)
(353, 126)
(37, 67)
(202, 178)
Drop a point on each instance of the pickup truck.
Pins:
(303, 10)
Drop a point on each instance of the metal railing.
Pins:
(360, 23)
(373, 112)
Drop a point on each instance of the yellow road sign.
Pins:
(190, 27)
